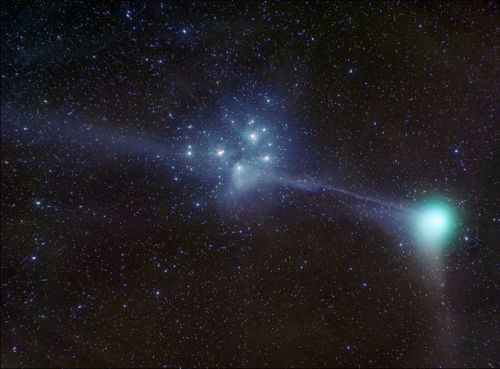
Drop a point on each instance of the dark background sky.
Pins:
(117, 254)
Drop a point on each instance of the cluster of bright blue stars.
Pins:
(236, 156)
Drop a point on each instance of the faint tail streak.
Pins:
(312, 185)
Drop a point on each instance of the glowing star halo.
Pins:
(433, 225)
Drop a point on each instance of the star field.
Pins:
(250, 184)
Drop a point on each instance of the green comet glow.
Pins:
(434, 223)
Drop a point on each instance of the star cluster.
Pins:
(249, 184)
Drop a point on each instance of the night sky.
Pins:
(250, 184)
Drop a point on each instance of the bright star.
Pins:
(253, 137)
(220, 153)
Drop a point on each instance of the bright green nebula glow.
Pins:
(434, 223)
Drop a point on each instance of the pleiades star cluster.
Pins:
(250, 184)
